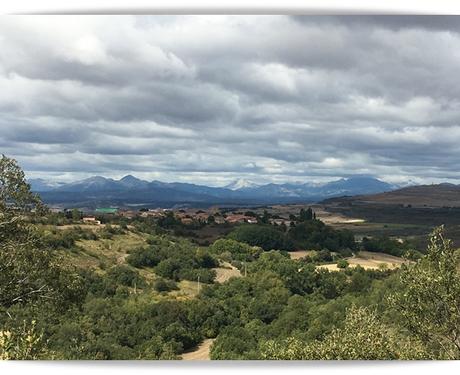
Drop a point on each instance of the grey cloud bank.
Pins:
(208, 99)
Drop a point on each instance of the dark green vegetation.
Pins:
(129, 306)
(175, 260)
(311, 234)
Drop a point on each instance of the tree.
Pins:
(342, 263)
(265, 217)
(76, 215)
(32, 276)
(29, 272)
(239, 250)
(25, 343)
(306, 215)
(429, 300)
(363, 336)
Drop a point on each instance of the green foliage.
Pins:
(29, 272)
(363, 336)
(315, 235)
(342, 263)
(162, 285)
(66, 238)
(306, 215)
(24, 343)
(169, 221)
(109, 231)
(235, 343)
(126, 276)
(264, 236)
(143, 257)
(387, 245)
(322, 256)
(238, 250)
(176, 260)
(429, 300)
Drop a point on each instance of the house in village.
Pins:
(238, 218)
(91, 220)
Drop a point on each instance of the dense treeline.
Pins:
(309, 234)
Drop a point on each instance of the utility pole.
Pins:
(245, 270)
(198, 284)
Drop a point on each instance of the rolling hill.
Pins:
(439, 195)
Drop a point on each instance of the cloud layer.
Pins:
(212, 98)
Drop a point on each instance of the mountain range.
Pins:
(131, 191)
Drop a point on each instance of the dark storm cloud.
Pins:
(212, 98)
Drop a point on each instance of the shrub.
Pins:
(162, 285)
(125, 275)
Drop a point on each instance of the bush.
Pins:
(342, 263)
(162, 285)
(229, 249)
(143, 258)
(125, 275)
(322, 256)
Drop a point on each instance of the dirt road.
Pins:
(223, 274)
(201, 353)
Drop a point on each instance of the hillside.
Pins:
(441, 195)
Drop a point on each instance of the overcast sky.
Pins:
(209, 99)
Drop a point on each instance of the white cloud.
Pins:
(213, 98)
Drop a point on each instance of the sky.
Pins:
(211, 99)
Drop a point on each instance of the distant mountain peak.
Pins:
(241, 183)
(129, 177)
(132, 182)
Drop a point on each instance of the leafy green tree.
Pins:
(429, 301)
(76, 215)
(162, 285)
(363, 336)
(306, 215)
(29, 272)
(24, 343)
(238, 250)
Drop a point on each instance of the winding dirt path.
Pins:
(201, 353)
(223, 274)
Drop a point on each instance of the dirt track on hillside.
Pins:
(223, 274)
(201, 353)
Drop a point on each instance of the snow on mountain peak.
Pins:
(241, 183)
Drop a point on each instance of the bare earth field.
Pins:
(299, 254)
(201, 353)
(369, 260)
(331, 218)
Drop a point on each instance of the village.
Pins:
(212, 215)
